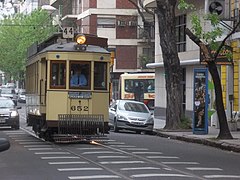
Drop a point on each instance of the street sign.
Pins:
(68, 32)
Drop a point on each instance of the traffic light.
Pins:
(217, 6)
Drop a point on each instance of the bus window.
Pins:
(100, 76)
(80, 75)
(151, 86)
(58, 74)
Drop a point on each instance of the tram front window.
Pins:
(100, 76)
(58, 74)
(80, 75)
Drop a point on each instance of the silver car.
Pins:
(130, 115)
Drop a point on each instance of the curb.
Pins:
(207, 142)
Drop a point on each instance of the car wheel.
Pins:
(115, 128)
(138, 132)
(16, 127)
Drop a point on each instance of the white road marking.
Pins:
(122, 162)
(94, 177)
(80, 169)
(15, 133)
(180, 163)
(162, 157)
(25, 140)
(159, 175)
(61, 157)
(35, 146)
(135, 149)
(102, 157)
(102, 152)
(39, 149)
(92, 148)
(28, 143)
(115, 142)
(139, 168)
(222, 176)
(203, 169)
(51, 153)
(146, 152)
(122, 146)
(73, 162)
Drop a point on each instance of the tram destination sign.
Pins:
(222, 59)
(79, 95)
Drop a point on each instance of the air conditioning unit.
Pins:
(121, 23)
(219, 7)
(132, 23)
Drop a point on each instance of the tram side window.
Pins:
(80, 75)
(58, 75)
(100, 76)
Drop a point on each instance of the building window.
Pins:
(58, 74)
(181, 33)
(106, 23)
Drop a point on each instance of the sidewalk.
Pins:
(208, 139)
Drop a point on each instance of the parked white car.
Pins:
(130, 115)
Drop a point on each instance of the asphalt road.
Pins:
(124, 155)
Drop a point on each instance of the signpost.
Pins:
(200, 102)
(68, 32)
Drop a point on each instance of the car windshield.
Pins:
(6, 103)
(135, 107)
(7, 91)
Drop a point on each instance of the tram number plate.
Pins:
(79, 108)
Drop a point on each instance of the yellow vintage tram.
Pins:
(67, 87)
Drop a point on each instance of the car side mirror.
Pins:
(4, 144)
(151, 113)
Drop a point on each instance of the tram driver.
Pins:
(78, 79)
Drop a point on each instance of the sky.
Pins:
(6, 9)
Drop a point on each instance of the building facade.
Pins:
(189, 54)
(117, 20)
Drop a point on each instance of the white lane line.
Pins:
(25, 140)
(102, 152)
(146, 152)
(35, 146)
(180, 163)
(80, 169)
(162, 157)
(222, 176)
(61, 157)
(139, 168)
(158, 175)
(96, 148)
(135, 149)
(102, 157)
(40, 149)
(115, 143)
(122, 162)
(65, 163)
(15, 133)
(29, 143)
(203, 169)
(51, 153)
(94, 177)
(122, 146)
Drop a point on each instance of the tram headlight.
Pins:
(80, 39)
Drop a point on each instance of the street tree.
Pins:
(207, 42)
(17, 33)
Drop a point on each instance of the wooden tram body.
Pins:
(56, 108)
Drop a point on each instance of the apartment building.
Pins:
(117, 20)
(189, 54)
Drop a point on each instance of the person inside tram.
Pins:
(78, 79)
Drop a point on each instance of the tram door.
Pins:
(43, 81)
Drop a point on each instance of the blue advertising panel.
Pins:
(200, 101)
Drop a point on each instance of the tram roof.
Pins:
(70, 47)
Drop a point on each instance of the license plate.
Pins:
(137, 123)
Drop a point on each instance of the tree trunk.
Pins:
(173, 74)
(224, 132)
